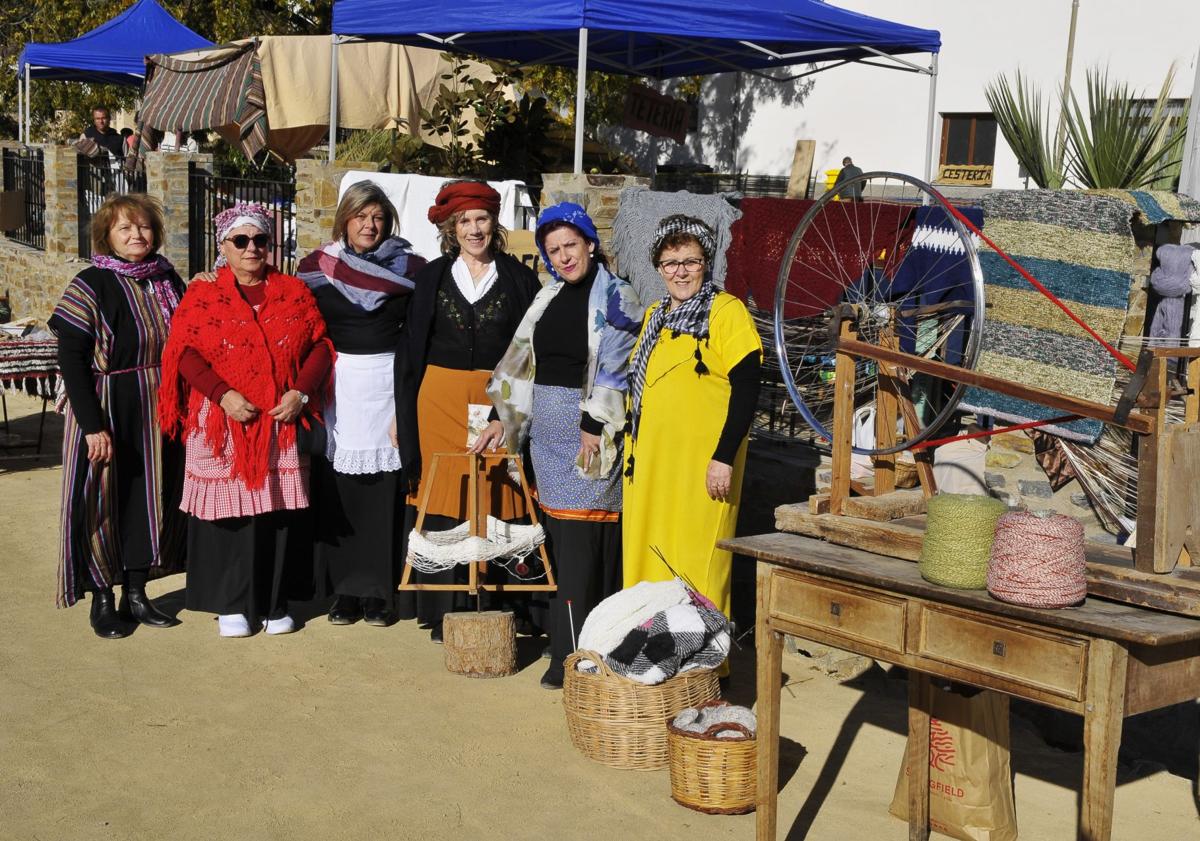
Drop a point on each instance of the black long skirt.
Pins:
(360, 531)
(587, 568)
(249, 565)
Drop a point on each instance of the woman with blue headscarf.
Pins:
(561, 386)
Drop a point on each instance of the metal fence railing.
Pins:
(209, 193)
(716, 182)
(25, 171)
(99, 178)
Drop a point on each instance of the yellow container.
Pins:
(831, 179)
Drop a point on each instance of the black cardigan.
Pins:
(412, 352)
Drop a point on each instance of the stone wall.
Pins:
(35, 279)
(317, 185)
(600, 196)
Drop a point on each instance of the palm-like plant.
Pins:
(1017, 107)
(1116, 144)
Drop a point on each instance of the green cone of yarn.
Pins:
(958, 539)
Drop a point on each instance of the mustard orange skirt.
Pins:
(442, 407)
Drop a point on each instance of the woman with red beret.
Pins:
(465, 307)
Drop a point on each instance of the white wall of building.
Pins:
(878, 116)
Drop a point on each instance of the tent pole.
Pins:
(20, 111)
(933, 74)
(28, 132)
(580, 95)
(333, 97)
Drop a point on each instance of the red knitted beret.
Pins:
(464, 195)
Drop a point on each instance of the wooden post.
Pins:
(1105, 710)
(769, 651)
(887, 413)
(842, 441)
(917, 755)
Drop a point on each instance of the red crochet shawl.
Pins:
(259, 356)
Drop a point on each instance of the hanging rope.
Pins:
(958, 539)
(1038, 560)
(437, 551)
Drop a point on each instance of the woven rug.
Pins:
(29, 365)
(835, 248)
(638, 215)
(1157, 206)
(1080, 246)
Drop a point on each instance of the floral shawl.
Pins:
(615, 317)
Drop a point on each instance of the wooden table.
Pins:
(1101, 660)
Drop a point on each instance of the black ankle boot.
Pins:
(137, 607)
(105, 620)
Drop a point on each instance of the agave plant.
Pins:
(1116, 144)
(1017, 107)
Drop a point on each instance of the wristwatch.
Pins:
(303, 397)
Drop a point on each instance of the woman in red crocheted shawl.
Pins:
(246, 358)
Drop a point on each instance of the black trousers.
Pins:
(249, 565)
(587, 567)
(360, 531)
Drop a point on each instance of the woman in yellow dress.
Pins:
(694, 380)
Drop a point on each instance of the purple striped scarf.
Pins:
(156, 269)
(366, 280)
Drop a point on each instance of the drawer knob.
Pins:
(998, 648)
(835, 609)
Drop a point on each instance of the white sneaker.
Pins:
(284, 625)
(233, 625)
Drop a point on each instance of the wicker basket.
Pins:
(622, 723)
(717, 776)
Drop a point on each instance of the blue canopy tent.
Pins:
(656, 38)
(112, 53)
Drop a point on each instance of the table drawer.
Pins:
(847, 611)
(1043, 661)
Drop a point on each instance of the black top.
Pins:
(111, 140)
(472, 337)
(515, 282)
(560, 339)
(745, 378)
(353, 330)
(75, 353)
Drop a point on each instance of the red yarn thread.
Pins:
(1037, 561)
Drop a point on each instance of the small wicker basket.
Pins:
(716, 776)
(622, 723)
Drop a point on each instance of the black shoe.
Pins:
(553, 678)
(346, 610)
(435, 633)
(377, 612)
(106, 622)
(137, 607)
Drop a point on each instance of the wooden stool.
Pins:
(481, 644)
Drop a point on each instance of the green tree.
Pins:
(217, 20)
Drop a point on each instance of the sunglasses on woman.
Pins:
(241, 241)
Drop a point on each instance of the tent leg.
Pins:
(933, 74)
(28, 132)
(333, 97)
(580, 95)
(20, 111)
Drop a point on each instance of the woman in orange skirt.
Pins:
(464, 310)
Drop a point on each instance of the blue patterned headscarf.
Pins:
(573, 215)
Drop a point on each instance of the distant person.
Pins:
(104, 135)
(848, 172)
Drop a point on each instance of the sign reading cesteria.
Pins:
(655, 113)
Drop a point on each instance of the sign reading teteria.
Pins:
(655, 113)
(967, 176)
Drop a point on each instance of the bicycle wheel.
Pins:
(887, 245)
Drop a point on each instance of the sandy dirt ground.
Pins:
(360, 732)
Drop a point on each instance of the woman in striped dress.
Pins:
(121, 481)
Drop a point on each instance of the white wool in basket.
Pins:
(611, 621)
